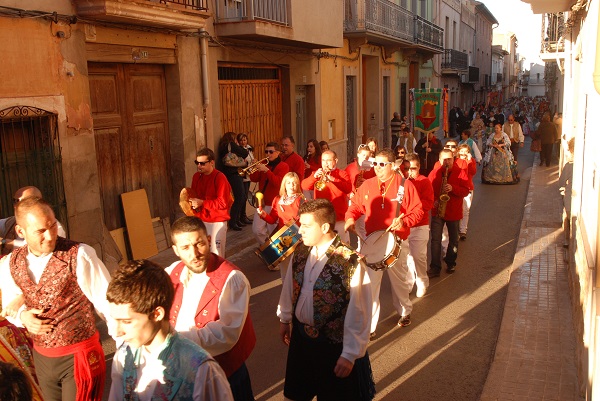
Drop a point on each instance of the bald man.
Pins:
(9, 239)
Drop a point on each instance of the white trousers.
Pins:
(361, 231)
(260, 228)
(218, 237)
(417, 257)
(400, 288)
(467, 201)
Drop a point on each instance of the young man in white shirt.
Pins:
(325, 314)
(155, 362)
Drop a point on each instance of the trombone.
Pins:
(253, 167)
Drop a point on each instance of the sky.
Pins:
(516, 16)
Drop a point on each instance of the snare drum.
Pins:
(281, 245)
(381, 250)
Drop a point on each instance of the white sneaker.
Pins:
(421, 291)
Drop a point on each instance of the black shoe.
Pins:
(450, 269)
(241, 223)
(235, 227)
(246, 220)
(433, 273)
(462, 236)
(372, 336)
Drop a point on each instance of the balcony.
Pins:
(385, 23)
(172, 14)
(454, 61)
(553, 41)
(550, 6)
(285, 22)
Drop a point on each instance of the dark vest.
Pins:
(208, 311)
(58, 294)
(331, 292)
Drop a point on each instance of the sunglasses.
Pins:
(196, 162)
(380, 164)
(363, 146)
(413, 168)
(15, 201)
(450, 147)
(269, 151)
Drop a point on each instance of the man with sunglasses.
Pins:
(9, 238)
(269, 179)
(456, 187)
(214, 199)
(337, 186)
(388, 202)
(513, 129)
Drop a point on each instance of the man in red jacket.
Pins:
(419, 233)
(336, 188)
(456, 188)
(211, 302)
(381, 199)
(269, 179)
(213, 201)
(290, 157)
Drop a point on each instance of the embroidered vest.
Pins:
(208, 311)
(181, 359)
(331, 292)
(58, 294)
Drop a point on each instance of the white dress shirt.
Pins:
(210, 384)
(357, 321)
(92, 277)
(221, 335)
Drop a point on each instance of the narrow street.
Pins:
(446, 352)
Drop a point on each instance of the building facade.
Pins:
(572, 46)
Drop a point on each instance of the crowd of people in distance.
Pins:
(184, 331)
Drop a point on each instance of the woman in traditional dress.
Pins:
(498, 164)
(477, 129)
(285, 208)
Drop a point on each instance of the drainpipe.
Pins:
(596, 74)
(204, 67)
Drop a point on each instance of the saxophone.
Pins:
(444, 197)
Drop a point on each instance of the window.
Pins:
(30, 155)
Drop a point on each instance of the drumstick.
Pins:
(259, 198)
(387, 230)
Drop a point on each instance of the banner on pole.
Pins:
(428, 109)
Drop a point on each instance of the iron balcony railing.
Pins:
(193, 4)
(553, 30)
(276, 11)
(392, 20)
(455, 60)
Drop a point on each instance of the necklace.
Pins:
(383, 190)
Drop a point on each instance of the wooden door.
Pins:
(130, 126)
(250, 102)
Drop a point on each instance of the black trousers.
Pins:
(56, 377)
(239, 197)
(546, 153)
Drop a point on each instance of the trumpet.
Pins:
(253, 167)
(320, 185)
